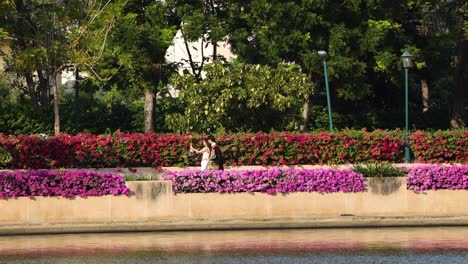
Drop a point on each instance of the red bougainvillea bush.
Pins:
(267, 181)
(440, 146)
(267, 149)
(431, 177)
(60, 183)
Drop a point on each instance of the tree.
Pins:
(204, 21)
(446, 22)
(121, 45)
(435, 33)
(270, 32)
(137, 51)
(240, 97)
(52, 36)
(363, 39)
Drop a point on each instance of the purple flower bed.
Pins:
(437, 177)
(60, 183)
(267, 181)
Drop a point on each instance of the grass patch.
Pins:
(136, 177)
(379, 170)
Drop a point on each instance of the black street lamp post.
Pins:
(406, 59)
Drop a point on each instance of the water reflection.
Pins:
(433, 245)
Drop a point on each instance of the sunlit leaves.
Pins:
(3, 34)
(235, 96)
(376, 33)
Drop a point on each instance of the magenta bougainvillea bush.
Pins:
(267, 149)
(433, 177)
(60, 183)
(266, 181)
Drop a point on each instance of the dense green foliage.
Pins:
(45, 38)
(240, 97)
(276, 82)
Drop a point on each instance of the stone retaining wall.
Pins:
(152, 206)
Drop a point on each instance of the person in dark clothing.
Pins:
(216, 153)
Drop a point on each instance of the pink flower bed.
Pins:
(60, 183)
(266, 181)
(433, 177)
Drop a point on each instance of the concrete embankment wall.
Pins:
(152, 206)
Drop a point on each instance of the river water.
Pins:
(369, 245)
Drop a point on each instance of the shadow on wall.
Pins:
(153, 190)
(384, 185)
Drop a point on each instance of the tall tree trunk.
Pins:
(458, 98)
(215, 51)
(43, 90)
(31, 89)
(189, 54)
(149, 110)
(55, 93)
(305, 116)
(213, 11)
(425, 95)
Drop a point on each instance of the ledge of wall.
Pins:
(152, 206)
(153, 173)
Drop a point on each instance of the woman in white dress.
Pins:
(205, 151)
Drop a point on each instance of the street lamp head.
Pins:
(406, 59)
(322, 54)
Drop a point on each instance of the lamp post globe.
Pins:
(322, 54)
(406, 60)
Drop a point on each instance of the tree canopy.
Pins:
(276, 82)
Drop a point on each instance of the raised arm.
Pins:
(205, 149)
